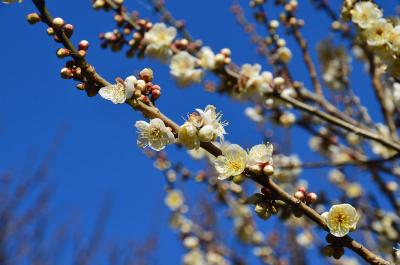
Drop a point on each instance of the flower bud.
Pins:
(81, 86)
(58, 23)
(68, 30)
(284, 54)
(256, 169)
(66, 73)
(311, 197)
(50, 31)
(62, 53)
(279, 81)
(155, 94)
(187, 136)
(239, 179)
(146, 74)
(226, 52)
(141, 85)
(206, 133)
(33, 18)
(268, 170)
(299, 195)
(83, 45)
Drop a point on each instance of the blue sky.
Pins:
(98, 154)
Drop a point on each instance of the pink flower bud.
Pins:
(299, 195)
(83, 45)
(311, 197)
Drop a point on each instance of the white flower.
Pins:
(206, 58)
(379, 32)
(174, 199)
(187, 136)
(341, 219)
(365, 13)
(119, 93)
(183, 69)
(212, 126)
(260, 154)
(158, 40)
(250, 76)
(154, 134)
(232, 162)
(254, 114)
(395, 39)
(194, 257)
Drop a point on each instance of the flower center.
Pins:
(154, 132)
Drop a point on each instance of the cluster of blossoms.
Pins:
(234, 160)
(142, 89)
(381, 34)
(334, 65)
(201, 126)
(254, 82)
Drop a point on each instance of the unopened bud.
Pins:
(256, 169)
(146, 74)
(66, 73)
(279, 81)
(239, 179)
(81, 86)
(299, 195)
(33, 18)
(63, 52)
(311, 197)
(83, 45)
(268, 170)
(58, 23)
(81, 53)
(50, 31)
(226, 52)
(68, 30)
(155, 94)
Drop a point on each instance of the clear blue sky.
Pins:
(98, 154)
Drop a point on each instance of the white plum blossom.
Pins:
(119, 92)
(154, 134)
(158, 40)
(379, 32)
(260, 154)
(174, 199)
(232, 162)
(341, 219)
(252, 80)
(395, 39)
(183, 68)
(202, 126)
(206, 58)
(365, 13)
(212, 126)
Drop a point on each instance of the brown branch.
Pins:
(380, 94)
(338, 122)
(307, 60)
(152, 112)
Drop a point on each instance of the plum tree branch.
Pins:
(152, 112)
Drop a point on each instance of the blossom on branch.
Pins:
(365, 13)
(158, 40)
(232, 162)
(119, 92)
(183, 69)
(341, 219)
(154, 134)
